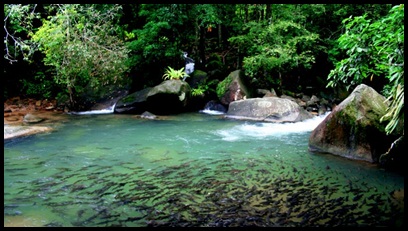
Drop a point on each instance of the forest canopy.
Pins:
(79, 52)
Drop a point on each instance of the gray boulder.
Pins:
(270, 109)
(109, 101)
(31, 119)
(353, 128)
(148, 115)
(169, 97)
(133, 103)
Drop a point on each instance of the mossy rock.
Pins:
(233, 88)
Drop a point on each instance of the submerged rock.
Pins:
(353, 129)
(148, 115)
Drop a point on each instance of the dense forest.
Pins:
(77, 53)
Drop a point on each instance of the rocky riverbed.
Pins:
(23, 117)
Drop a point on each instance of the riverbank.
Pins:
(16, 108)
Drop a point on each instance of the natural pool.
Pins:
(191, 169)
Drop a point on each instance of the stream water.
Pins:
(191, 169)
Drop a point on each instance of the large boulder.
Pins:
(353, 129)
(133, 103)
(169, 97)
(110, 100)
(270, 109)
(232, 88)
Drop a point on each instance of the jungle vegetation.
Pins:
(80, 52)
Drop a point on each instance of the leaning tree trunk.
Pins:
(392, 152)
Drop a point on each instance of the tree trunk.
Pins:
(246, 13)
(268, 13)
(194, 50)
(220, 44)
(280, 83)
(202, 47)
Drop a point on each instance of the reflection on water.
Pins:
(190, 170)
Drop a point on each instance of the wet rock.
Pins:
(19, 131)
(31, 119)
(215, 106)
(133, 103)
(148, 115)
(353, 129)
(270, 109)
(169, 97)
(233, 88)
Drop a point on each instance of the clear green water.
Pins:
(189, 170)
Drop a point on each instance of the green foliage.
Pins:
(79, 43)
(17, 24)
(89, 47)
(375, 50)
(174, 74)
(222, 87)
(395, 112)
(278, 47)
(201, 89)
(41, 87)
(207, 15)
(158, 41)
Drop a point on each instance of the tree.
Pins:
(375, 50)
(276, 48)
(80, 42)
(158, 42)
(18, 22)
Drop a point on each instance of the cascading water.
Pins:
(108, 110)
(189, 65)
(264, 130)
(214, 108)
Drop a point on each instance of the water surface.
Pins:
(191, 169)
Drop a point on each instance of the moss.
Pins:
(128, 99)
(223, 86)
(198, 73)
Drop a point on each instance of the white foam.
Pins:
(212, 112)
(96, 112)
(263, 130)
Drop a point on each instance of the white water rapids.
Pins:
(261, 130)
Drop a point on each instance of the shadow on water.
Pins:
(111, 170)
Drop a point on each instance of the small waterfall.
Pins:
(214, 108)
(108, 110)
(212, 112)
(189, 65)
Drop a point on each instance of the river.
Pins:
(192, 169)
